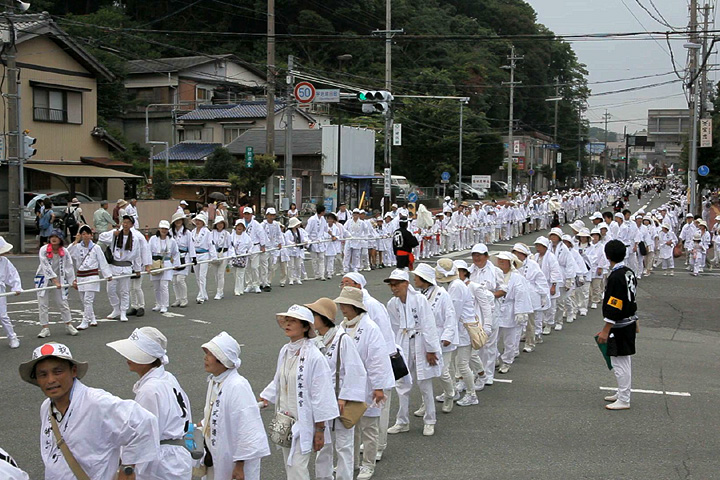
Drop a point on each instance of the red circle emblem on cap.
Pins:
(47, 350)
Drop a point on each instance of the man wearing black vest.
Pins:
(403, 244)
(621, 323)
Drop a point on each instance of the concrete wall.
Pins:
(150, 212)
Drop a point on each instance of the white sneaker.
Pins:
(468, 400)
(429, 430)
(611, 398)
(156, 308)
(546, 330)
(14, 342)
(583, 312)
(113, 316)
(366, 473)
(593, 306)
(569, 320)
(176, 303)
(618, 405)
(398, 428)
(420, 412)
(528, 349)
(504, 368)
(83, 325)
(218, 297)
(93, 323)
(379, 455)
(257, 290)
(123, 318)
(460, 386)
(163, 310)
(538, 339)
(558, 327)
(44, 333)
(299, 282)
(70, 330)
(479, 386)
(448, 405)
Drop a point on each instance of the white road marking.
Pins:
(171, 315)
(27, 302)
(654, 392)
(200, 321)
(502, 380)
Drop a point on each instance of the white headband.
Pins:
(149, 346)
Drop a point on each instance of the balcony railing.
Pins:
(43, 114)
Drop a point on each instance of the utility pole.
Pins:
(270, 127)
(290, 110)
(14, 140)
(555, 128)
(693, 48)
(578, 165)
(605, 149)
(511, 120)
(627, 152)
(458, 191)
(704, 94)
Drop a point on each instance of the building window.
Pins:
(203, 95)
(231, 133)
(197, 134)
(58, 106)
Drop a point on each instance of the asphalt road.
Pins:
(548, 423)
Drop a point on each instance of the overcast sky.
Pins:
(622, 59)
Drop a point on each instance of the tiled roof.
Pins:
(254, 109)
(174, 64)
(187, 151)
(305, 142)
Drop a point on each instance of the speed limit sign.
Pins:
(304, 92)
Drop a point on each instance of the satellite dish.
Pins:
(23, 6)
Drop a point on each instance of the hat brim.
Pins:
(6, 248)
(281, 316)
(130, 351)
(443, 279)
(431, 281)
(388, 280)
(319, 309)
(26, 369)
(347, 301)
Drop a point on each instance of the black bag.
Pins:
(398, 365)
(107, 251)
(642, 248)
(69, 219)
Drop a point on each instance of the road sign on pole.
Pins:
(304, 92)
(706, 132)
(327, 95)
(481, 181)
(445, 177)
(386, 182)
(397, 134)
(249, 157)
(531, 172)
(412, 197)
(703, 170)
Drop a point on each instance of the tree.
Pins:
(220, 164)
(251, 180)
(162, 186)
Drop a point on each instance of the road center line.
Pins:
(654, 392)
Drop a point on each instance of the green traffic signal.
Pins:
(362, 97)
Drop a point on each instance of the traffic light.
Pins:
(28, 143)
(375, 101)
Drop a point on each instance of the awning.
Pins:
(359, 177)
(104, 162)
(80, 171)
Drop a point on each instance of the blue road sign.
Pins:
(531, 172)
(412, 197)
(703, 170)
(445, 176)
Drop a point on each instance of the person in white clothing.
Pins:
(159, 392)
(316, 228)
(295, 240)
(349, 381)
(373, 352)
(101, 431)
(165, 255)
(9, 279)
(204, 251)
(9, 469)
(539, 293)
(355, 228)
(270, 262)
(240, 245)
(141, 263)
(186, 247)
(569, 271)
(668, 240)
(181, 207)
(260, 243)
(221, 242)
(412, 319)
(515, 305)
(334, 244)
(131, 209)
(90, 262)
(598, 267)
(233, 429)
(55, 267)
(302, 389)
(447, 329)
(126, 247)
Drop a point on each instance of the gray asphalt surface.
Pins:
(549, 423)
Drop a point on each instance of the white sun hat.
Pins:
(144, 346)
(226, 349)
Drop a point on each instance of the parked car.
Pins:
(60, 201)
(399, 187)
(498, 187)
(467, 192)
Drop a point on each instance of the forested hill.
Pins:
(450, 47)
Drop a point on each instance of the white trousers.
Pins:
(275, 265)
(252, 272)
(119, 294)
(352, 259)
(60, 300)
(162, 295)
(201, 270)
(343, 440)
(367, 433)
(404, 389)
(264, 269)
(581, 296)
(488, 354)
(364, 258)
(295, 270)
(668, 263)
(446, 380)
(384, 421)
(5, 319)
(622, 367)
(137, 297)
(180, 288)
(510, 337)
(299, 468)
(461, 361)
(239, 280)
(318, 264)
(549, 314)
(329, 266)
(596, 290)
(217, 271)
(87, 299)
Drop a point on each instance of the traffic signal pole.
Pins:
(289, 111)
(14, 157)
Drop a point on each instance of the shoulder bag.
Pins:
(398, 365)
(478, 337)
(353, 410)
(280, 428)
(67, 454)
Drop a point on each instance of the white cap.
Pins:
(164, 224)
(202, 217)
(595, 231)
(426, 272)
(619, 215)
(394, 205)
(567, 238)
(398, 274)
(183, 202)
(556, 231)
(4, 246)
(270, 211)
(226, 349)
(480, 248)
(542, 240)
(522, 248)
(301, 313)
(220, 219)
(144, 346)
(247, 210)
(461, 264)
